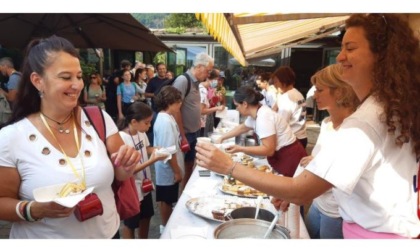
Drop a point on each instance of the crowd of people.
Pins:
(369, 141)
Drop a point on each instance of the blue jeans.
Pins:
(321, 226)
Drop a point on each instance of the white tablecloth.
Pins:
(182, 220)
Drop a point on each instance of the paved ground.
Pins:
(312, 131)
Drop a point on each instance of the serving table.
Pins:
(185, 224)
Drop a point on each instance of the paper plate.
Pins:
(50, 193)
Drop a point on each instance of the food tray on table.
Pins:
(256, 163)
(237, 188)
(246, 159)
(217, 207)
(240, 190)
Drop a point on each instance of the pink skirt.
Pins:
(286, 160)
(355, 231)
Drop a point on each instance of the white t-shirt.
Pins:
(326, 203)
(372, 177)
(270, 98)
(310, 97)
(140, 142)
(269, 123)
(22, 146)
(292, 108)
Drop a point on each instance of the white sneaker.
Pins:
(161, 228)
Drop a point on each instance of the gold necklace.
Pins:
(82, 177)
(60, 129)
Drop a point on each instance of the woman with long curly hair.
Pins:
(373, 168)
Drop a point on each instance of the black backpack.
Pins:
(170, 82)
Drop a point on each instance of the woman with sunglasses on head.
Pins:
(373, 169)
(94, 92)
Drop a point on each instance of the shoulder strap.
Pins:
(189, 84)
(96, 118)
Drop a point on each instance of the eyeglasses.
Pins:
(93, 77)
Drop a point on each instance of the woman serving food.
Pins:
(278, 143)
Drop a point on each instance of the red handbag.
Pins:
(126, 198)
(125, 192)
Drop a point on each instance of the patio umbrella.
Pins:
(85, 30)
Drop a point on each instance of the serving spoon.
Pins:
(259, 199)
(273, 223)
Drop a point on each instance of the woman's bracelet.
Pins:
(23, 211)
(19, 210)
(231, 170)
(28, 212)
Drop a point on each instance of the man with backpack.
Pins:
(188, 118)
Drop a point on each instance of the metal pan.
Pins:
(249, 229)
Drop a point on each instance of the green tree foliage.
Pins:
(177, 21)
(151, 20)
(160, 58)
(186, 20)
(87, 68)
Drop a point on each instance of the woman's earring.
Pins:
(41, 94)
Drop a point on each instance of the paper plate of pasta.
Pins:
(67, 194)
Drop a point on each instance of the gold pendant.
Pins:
(61, 130)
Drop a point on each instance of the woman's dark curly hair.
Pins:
(396, 73)
(168, 95)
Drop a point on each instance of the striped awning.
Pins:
(254, 35)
